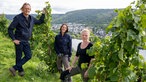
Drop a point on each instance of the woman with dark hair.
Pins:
(63, 48)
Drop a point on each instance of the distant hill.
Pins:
(10, 16)
(91, 17)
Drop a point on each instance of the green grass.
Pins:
(35, 70)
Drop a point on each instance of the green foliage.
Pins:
(4, 24)
(117, 58)
(43, 41)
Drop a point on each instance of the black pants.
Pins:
(23, 47)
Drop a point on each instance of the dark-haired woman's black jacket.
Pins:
(63, 44)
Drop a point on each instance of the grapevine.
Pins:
(117, 57)
(43, 41)
(4, 24)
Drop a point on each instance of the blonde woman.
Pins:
(81, 57)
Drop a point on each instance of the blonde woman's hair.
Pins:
(86, 30)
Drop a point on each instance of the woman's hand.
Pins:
(69, 68)
(86, 74)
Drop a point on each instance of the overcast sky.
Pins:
(61, 6)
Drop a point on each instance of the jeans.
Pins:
(23, 47)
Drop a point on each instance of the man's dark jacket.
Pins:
(23, 27)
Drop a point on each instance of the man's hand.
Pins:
(17, 42)
(44, 11)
